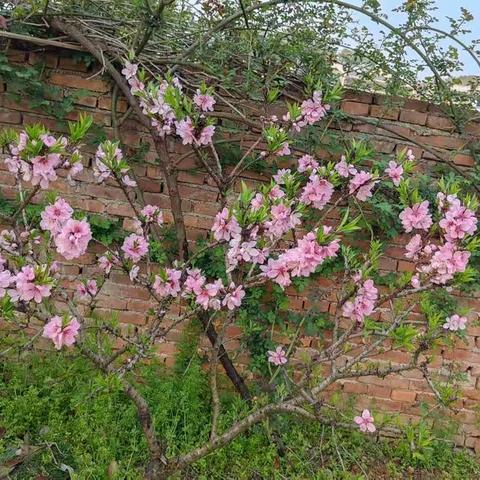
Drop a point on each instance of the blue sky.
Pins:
(446, 8)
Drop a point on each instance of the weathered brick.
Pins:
(443, 141)
(76, 81)
(403, 395)
(7, 116)
(71, 63)
(440, 123)
(464, 160)
(385, 112)
(411, 116)
(355, 108)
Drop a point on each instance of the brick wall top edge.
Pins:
(62, 58)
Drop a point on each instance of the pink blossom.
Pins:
(317, 191)
(8, 240)
(130, 70)
(313, 110)
(410, 155)
(243, 251)
(416, 217)
(365, 422)
(225, 228)
(100, 171)
(135, 247)
(344, 169)
(72, 240)
(105, 264)
(129, 182)
(152, 213)
(275, 193)
(279, 177)
(455, 323)
(186, 131)
(277, 271)
(451, 200)
(308, 255)
(415, 281)
(283, 219)
(74, 170)
(206, 135)
(6, 278)
(206, 297)
(168, 286)
(395, 172)
(458, 222)
(61, 334)
(133, 273)
(277, 357)
(48, 140)
(89, 288)
(135, 85)
(413, 247)
(257, 201)
(233, 299)
(54, 216)
(363, 304)
(446, 262)
(307, 163)
(283, 150)
(361, 184)
(194, 281)
(204, 101)
(26, 287)
(43, 169)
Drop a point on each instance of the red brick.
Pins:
(140, 305)
(381, 392)
(72, 64)
(121, 209)
(464, 160)
(410, 116)
(148, 185)
(360, 97)
(76, 81)
(404, 266)
(473, 128)
(354, 387)
(403, 395)
(442, 141)
(417, 105)
(112, 302)
(440, 123)
(136, 318)
(46, 59)
(355, 108)
(385, 112)
(88, 101)
(105, 103)
(10, 117)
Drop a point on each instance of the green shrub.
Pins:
(80, 418)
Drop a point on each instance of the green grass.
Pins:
(77, 417)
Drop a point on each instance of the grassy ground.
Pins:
(60, 419)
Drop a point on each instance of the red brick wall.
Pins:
(407, 123)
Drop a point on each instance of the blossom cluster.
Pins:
(363, 304)
(71, 236)
(439, 260)
(160, 103)
(36, 156)
(28, 284)
(109, 162)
